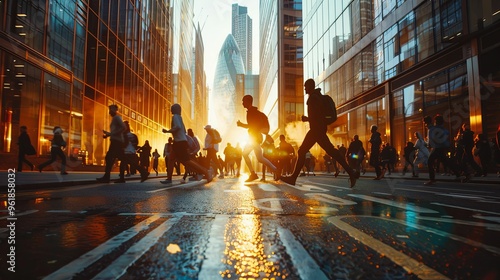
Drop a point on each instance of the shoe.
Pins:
(144, 176)
(102, 180)
(167, 181)
(210, 175)
(288, 180)
(252, 177)
(121, 180)
(336, 174)
(430, 182)
(352, 180)
(64, 173)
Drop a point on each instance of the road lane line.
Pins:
(495, 227)
(401, 205)
(275, 205)
(178, 185)
(411, 265)
(119, 266)
(464, 208)
(78, 265)
(331, 186)
(269, 188)
(330, 199)
(20, 214)
(213, 265)
(488, 218)
(302, 261)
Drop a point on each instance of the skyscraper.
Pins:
(241, 28)
(224, 103)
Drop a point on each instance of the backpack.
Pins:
(134, 140)
(329, 109)
(193, 145)
(262, 122)
(216, 139)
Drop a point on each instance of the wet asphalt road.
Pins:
(319, 229)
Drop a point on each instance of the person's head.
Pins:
(57, 130)
(409, 144)
(176, 109)
(373, 128)
(113, 109)
(356, 137)
(23, 128)
(465, 126)
(170, 140)
(190, 132)
(208, 128)
(438, 120)
(282, 138)
(309, 86)
(247, 101)
(428, 120)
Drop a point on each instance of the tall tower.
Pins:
(224, 103)
(241, 28)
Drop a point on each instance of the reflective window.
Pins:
(407, 41)
(425, 31)
(391, 51)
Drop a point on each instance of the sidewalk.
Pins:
(52, 179)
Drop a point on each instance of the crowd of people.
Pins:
(464, 155)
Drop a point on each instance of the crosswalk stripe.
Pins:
(409, 264)
(302, 261)
(212, 265)
(397, 204)
(120, 265)
(78, 265)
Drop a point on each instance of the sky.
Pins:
(214, 17)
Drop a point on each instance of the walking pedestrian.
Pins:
(238, 156)
(57, 144)
(180, 145)
(409, 156)
(130, 156)
(286, 153)
(355, 153)
(254, 127)
(144, 155)
(317, 134)
(421, 154)
(483, 151)
(115, 150)
(25, 148)
(376, 142)
(212, 147)
(156, 157)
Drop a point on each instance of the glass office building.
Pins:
(62, 62)
(391, 62)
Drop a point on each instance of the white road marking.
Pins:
(330, 199)
(302, 261)
(58, 211)
(495, 227)
(460, 196)
(333, 186)
(488, 218)
(70, 270)
(120, 265)
(269, 188)
(464, 208)
(397, 204)
(212, 265)
(275, 205)
(308, 188)
(411, 265)
(178, 185)
(383, 193)
(19, 214)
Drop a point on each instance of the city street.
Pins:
(395, 228)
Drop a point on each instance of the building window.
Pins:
(407, 41)
(451, 19)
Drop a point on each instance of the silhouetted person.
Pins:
(130, 156)
(376, 142)
(57, 144)
(317, 134)
(286, 153)
(115, 150)
(180, 145)
(25, 146)
(254, 139)
(144, 155)
(156, 156)
(212, 148)
(355, 153)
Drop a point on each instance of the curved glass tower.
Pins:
(224, 102)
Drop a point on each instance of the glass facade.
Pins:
(225, 100)
(389, 63)
(63, 62)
